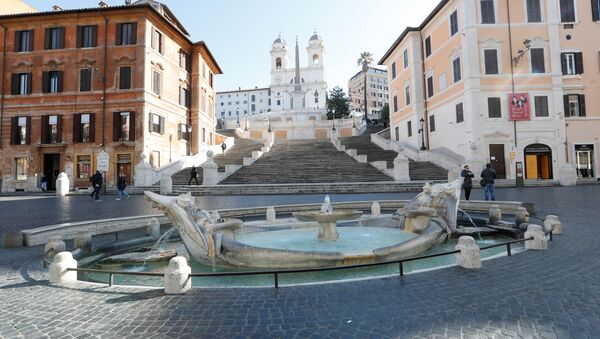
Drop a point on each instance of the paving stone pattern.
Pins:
(550, 294)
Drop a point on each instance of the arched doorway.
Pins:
(538, 162)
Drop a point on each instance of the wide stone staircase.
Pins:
(243, 148)
(305, 161)
(418, 170)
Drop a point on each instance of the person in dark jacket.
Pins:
(97, 182)
(488, 176)
(121, 185)
(223, 147)
(44, 183)
(193, 176)
(467, 182)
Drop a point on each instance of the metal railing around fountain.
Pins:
(277, 273)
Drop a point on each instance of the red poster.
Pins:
(518, 107)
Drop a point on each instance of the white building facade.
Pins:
(377, 92)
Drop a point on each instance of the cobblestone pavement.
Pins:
(535, 294)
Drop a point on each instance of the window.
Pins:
(442, 81)
(491, 61)
(24, 41)
(537, 60)
(409, 128)
(20, 84)
(460, 115)
(157, 41)
(156, 82)
(393, 70)
(204, 71)
(184, 97)
(571, 63)
(541, 106)
(494, 108)
(22, 167)
(453, 23)
(126, 33)
(184, 132)
(124, 126)
(395, 103)
(534, 11)
(253, 108)
(52, 82)
(456, 69)
(157, 123)
(84, 166)
(184, 61)
(204, 134)
(430, 87)
(428, 46)
(406, 58)
(85, 79)
(253, 98)
(488, 15)
(51, 129)
(55, 38)
(87, 36)
(407, 95)
(125, 77)
(567, 11)
(83, 128)
(278, 63)
(596, 10)
(20, 133)
(432, 123)
(574, 105)
(397, 129)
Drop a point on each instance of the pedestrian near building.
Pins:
(488, 176)
(121, 185)
(467, 181)
(223, 147)
(193, 176)
(97, 182)
(44, 183)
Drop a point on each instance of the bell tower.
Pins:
(279, 55)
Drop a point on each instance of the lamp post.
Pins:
(269, 130)
(170, 142)
(189, 139)
(237, 113)
(246, 124)
(333, 119)
(422, 130)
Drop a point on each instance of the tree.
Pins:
(338, 101)
(365, 60)
(385, 115)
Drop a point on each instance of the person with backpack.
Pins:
(193, 176)
(121, 185)
(467, 181)
(97, 182)
(488, 176)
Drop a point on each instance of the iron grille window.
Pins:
(534, 11)
(537, 60)
(494, 108)
(488, 15)
(491, 61)
(541, 106)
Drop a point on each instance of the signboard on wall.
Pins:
(518, 107)
(102, 161)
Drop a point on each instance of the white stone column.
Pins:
(567, 175)
(62, 185)
(551, 222)
(153, 228)
(58, 272)
(166, 185)
(177, 276)
(539, 241)
(401, 169)
(210, 175)
(469, 256)
(375, 210)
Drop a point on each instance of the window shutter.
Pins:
(14, 84)
(149, 122)
(28, 135)
(596, 10)
(116, 126)
(581, 105)
(119, 35)
(61, 37)
(188, 99)
(47, 38)
(14, 124)
(77, 128)
(162, 125)
(44, 129)
(153, 39)
(29, 83)
(131, 126)
(79, 39)
(92, 127)
(18, 41)
(579, 63)
(59, 129)
(563, 63)
(45, 82)
(31, 39)
(134, 33)
(60, 81)
(95, 36)
(566, 105)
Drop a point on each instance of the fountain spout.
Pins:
(326, 206)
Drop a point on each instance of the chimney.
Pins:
(102, 4)
(56, 8)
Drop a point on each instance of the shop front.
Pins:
(584, 160)
(538, 162)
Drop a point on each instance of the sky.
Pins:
(240, 33)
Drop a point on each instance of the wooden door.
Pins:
(545, 166)
(531, 166)
(497, 160)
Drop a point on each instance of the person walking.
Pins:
(193, 176)
(488, 176)
(467, 181)
(97, 182)
(223, 147)
(44, 183)
(121, 185)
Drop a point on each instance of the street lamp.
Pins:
(246, 124)
(237, 113)
(333, 119)
(189, 139)
(269, 130)
(422, 131)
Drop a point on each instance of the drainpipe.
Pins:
(3, 84)
(425, 114)
(104, 83)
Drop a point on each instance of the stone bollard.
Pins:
(495, 215)
(375, 210)
(177, 279)
(62, 185)
(58, 274)
(83, 241)
(539, 241)
(271, 215)
(166, 185)
(54, 245)
(469, 256)
(153, 228)
(210, 174)
(552, 223)
(401, 168)
(521, 216)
